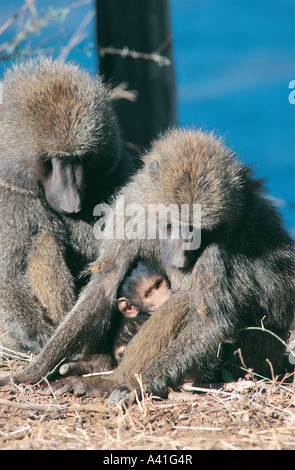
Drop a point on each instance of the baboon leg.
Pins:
(50, 278)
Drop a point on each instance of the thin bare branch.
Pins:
(11, 20)
(79, 35)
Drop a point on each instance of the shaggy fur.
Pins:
(241, 276)
(50, 110)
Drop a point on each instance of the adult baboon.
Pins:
(241, 275)
(60, 155)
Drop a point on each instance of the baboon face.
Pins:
(150, 293)
(63, 183)
(174, 252)
(144, 290)
(60, 130)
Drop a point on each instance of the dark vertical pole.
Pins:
(142, 26)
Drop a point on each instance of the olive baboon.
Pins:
(240, 276)
(60, 155)
(142, 291)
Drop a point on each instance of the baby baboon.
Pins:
(60, 155)
(241, 275)
(144, 289)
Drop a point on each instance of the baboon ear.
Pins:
(128, 310)
(154, 169)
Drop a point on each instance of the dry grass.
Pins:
(252, 415)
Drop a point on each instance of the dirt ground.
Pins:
(246, 415)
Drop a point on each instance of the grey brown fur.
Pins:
(241, 276)
(89, 363)
(60, 155)
(142, 291)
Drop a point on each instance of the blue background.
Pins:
(234, 60)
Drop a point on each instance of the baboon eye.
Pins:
(158, 284)
(148, 293)
(46, 164)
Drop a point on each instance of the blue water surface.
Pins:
(234, 60)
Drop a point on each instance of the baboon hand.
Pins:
(75, 385)
(96, 363)
(79, 386)
(121, 394)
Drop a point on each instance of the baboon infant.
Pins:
(142, 291)
(145, 288)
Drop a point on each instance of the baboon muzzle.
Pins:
(65, 187)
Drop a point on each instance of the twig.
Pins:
(52, 408)
(78, 36)
(79, 4)
(164, 44)
(230, 446)
(10, 353)
(249, 370)
(262, 328)
(11, 20)
(92, 374)
(30, 29)
(24, 406)
(12, 435)
(197, 428)
(271, 369)
(190, 388)
(34, 26)
(121, 91)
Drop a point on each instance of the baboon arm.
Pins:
(193, 353)
(50, 278)
(82, 239)
(23, 321)
(35, 293)
(162, 359)
(94, 386)
(76, 330)
(166, 360)
(87, 322)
